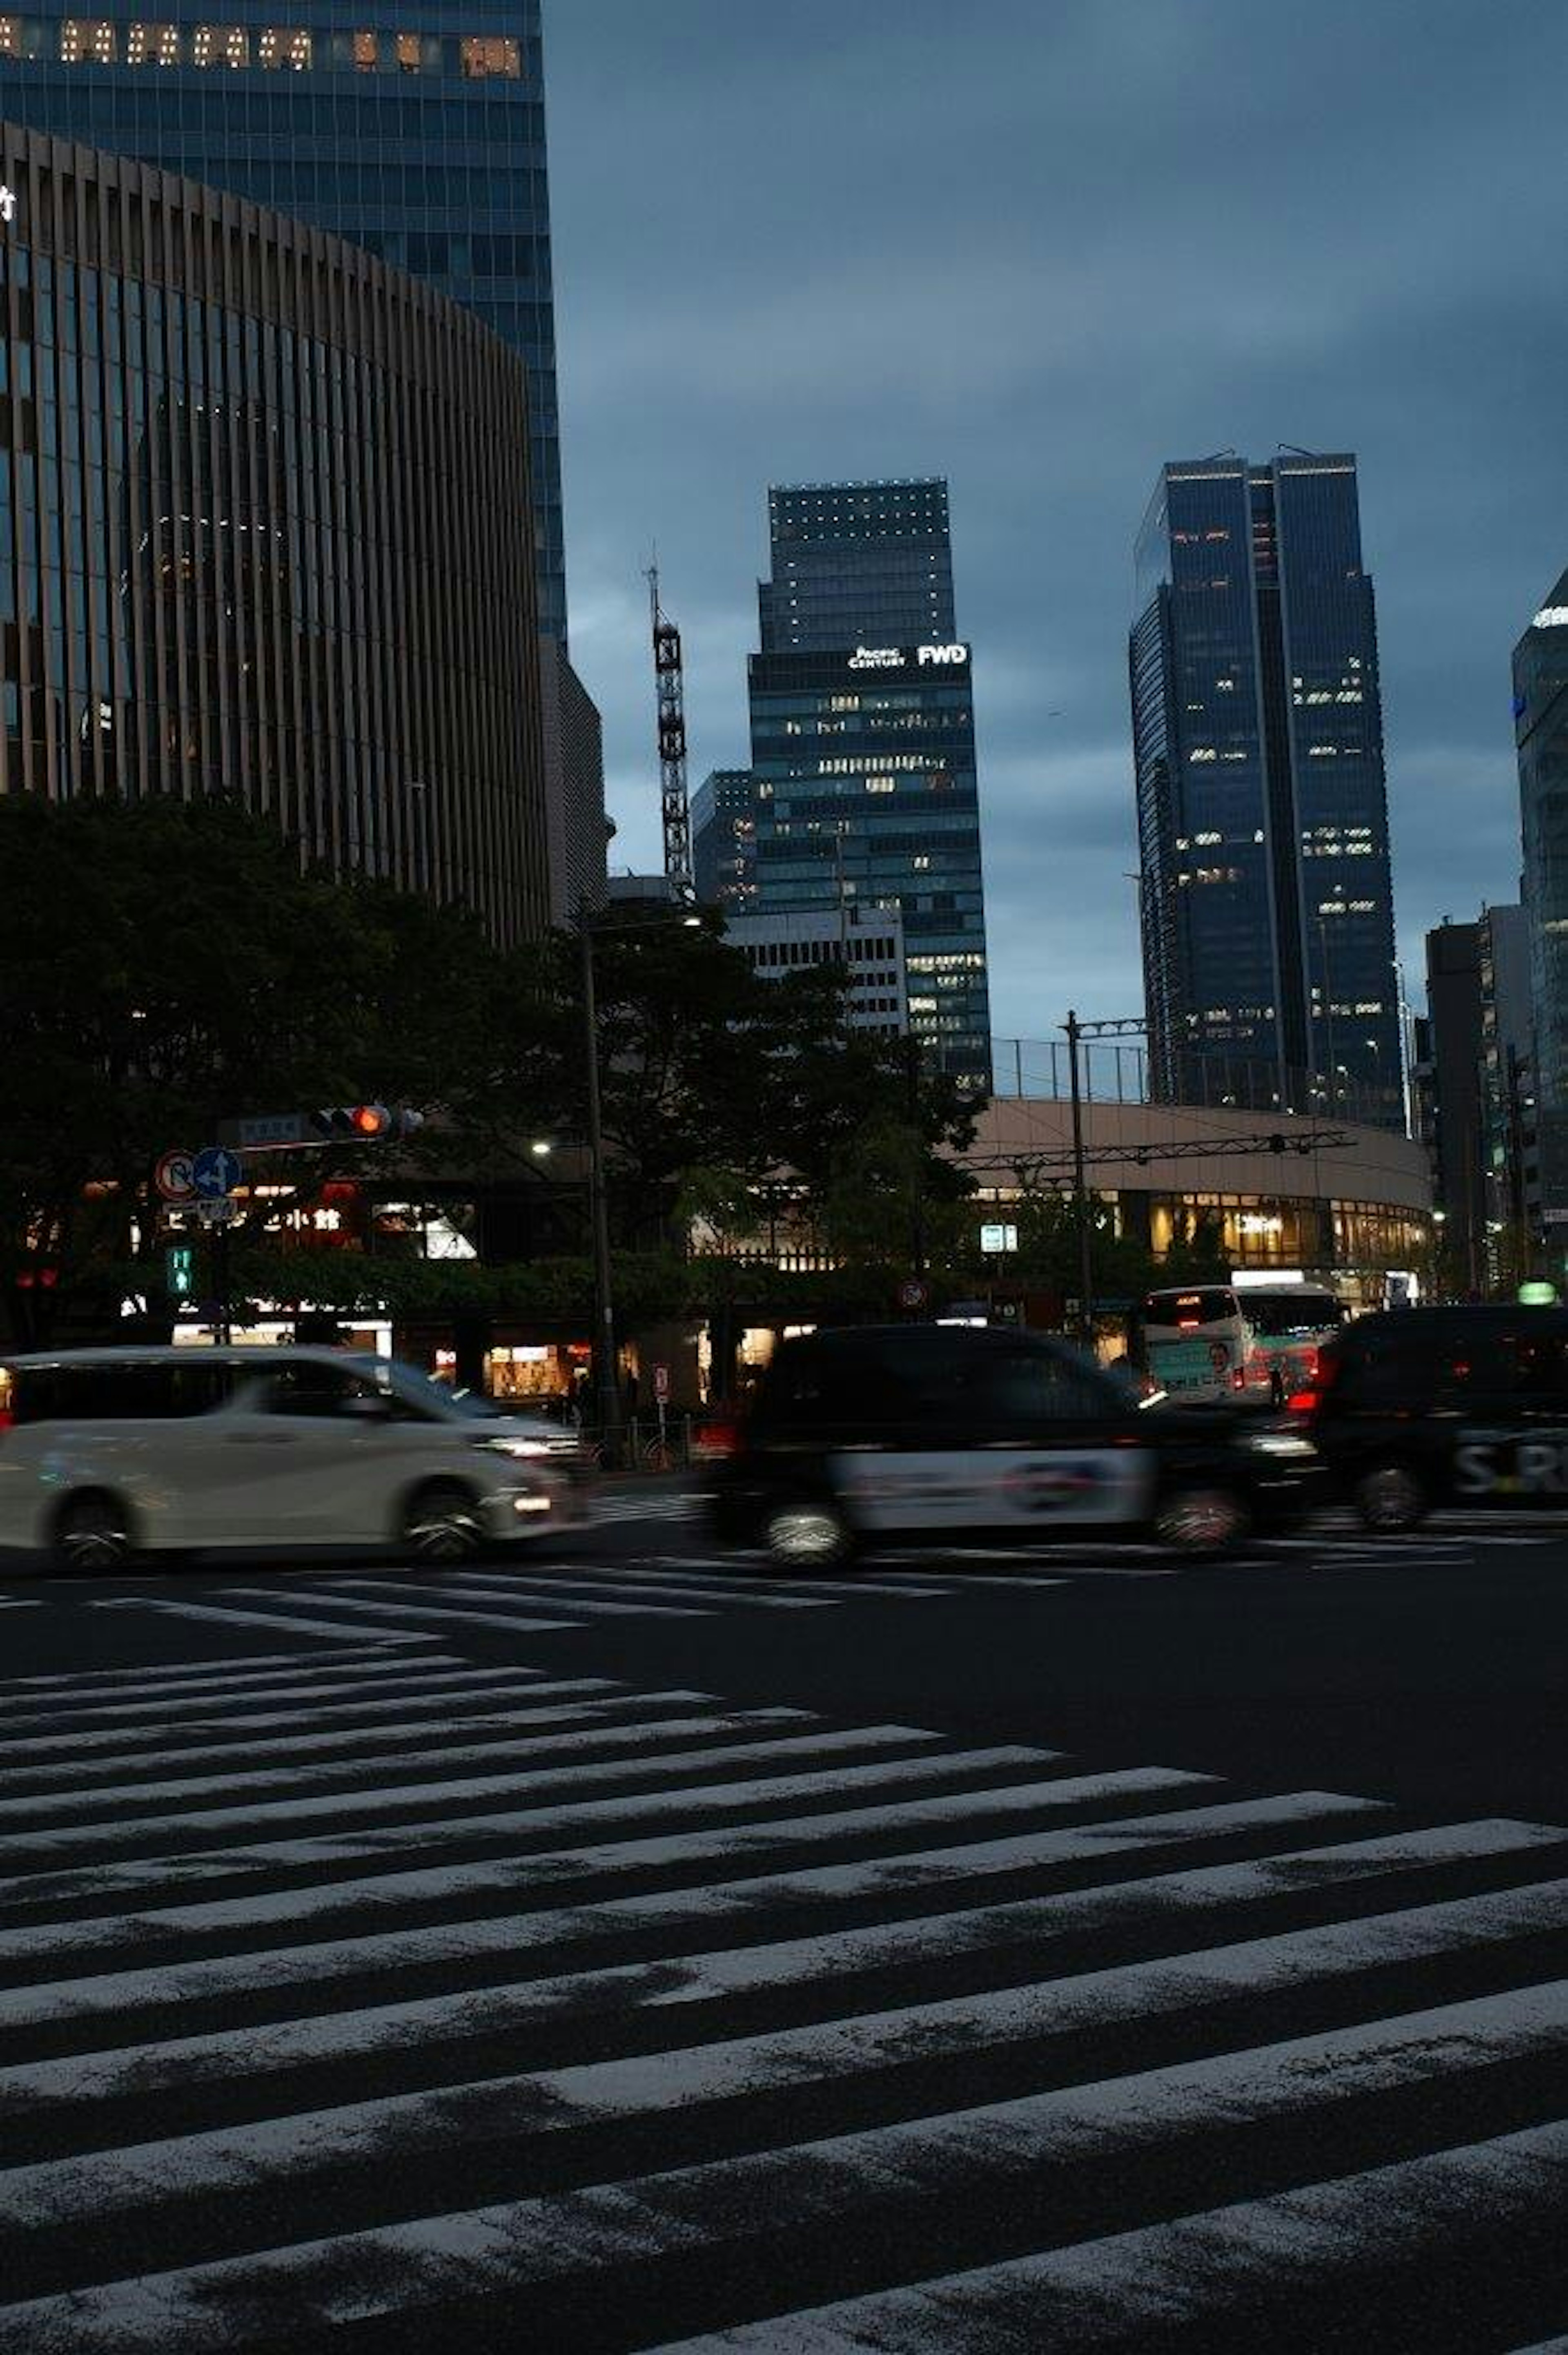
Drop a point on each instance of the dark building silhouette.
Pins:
(264, 532)
(1266, 903)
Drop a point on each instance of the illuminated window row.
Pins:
(105, 41)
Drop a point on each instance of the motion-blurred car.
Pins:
(886, 1435)
(105, 1454)
(1422, 1407)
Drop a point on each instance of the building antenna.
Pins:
(669, 676)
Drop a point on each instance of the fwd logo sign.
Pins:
(934, 657)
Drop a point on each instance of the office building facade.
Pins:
(263, 533)
(862, 743)
(867, 942)
(1540, 729)
(724, 839)
(423, 141)
(1265, 899)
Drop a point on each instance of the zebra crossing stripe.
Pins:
(394, 1675)
(824, 1885)
(171, 1676)
(693, 2211)
(335, 1628)
(645, 1736)
(474, 1791)
(491, 1692)
(399, 2028)
(163, 1877)
(649, 1580)
(433, 1600)
(469, 1713)
(1104, 2294)
(51, 2193)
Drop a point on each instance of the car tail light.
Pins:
(1324, 1367)
(6, 1419)
(720, 1436)
(1238, 1380)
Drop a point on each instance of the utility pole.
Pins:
(1080, 1193)
(605, 1383)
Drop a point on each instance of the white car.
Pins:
(108, 1453)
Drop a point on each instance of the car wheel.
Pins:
(441, 1523)
(1200, 1520)
(1391, 1497)
(91, 1532)
(808, 1536)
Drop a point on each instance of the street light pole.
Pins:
(605, 1384)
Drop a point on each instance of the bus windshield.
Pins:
(1297, 1312)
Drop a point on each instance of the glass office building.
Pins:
(724, 839)
(1266, 905)
(862, 779)
(263, 508)
(421, 140)
(1541, 727)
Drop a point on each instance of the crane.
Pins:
(669, 679)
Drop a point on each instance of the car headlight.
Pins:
(1278, 1442)
(517, 1448)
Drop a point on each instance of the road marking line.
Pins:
(50, 1943)
(648, 1580)
(51, 2193)
(395, 1673)
(170, 1672)
(399, 2028)
(520, 1707)
(691, 2211)
(462, 1608)
(765, 1835)
(475, 1791)
(1117, 2291)
(335, 1629)
(642, 1736)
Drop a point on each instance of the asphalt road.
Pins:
(620, 1949)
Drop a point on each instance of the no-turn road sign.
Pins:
(175, 1176)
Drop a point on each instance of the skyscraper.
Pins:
(1541, 727)
(1267, 906)
(863, 751)
(425, 146)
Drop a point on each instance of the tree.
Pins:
(165, 965)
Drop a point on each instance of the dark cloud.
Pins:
(1040, 246)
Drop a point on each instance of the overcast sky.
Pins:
(1040, 246)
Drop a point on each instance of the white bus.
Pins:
(1191, 1342)
(1255, 1339)
(1289, 1324)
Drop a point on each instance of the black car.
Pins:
(885, 1434)
(1444, 1406)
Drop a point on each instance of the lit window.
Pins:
(486, 55)
(87, 40)
(284, 47)
(363, 50)
(220, 45)
(151, 45)
(406, 49)
(10, 37)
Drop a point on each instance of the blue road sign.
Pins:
(215, 1171)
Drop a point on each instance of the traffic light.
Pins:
(179, 1265)
(363, 1124)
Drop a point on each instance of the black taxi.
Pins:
(893, 1435)
(1434, 1406)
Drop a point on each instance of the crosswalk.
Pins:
(379, 1997)
(524, 1597)
(522, 1601)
